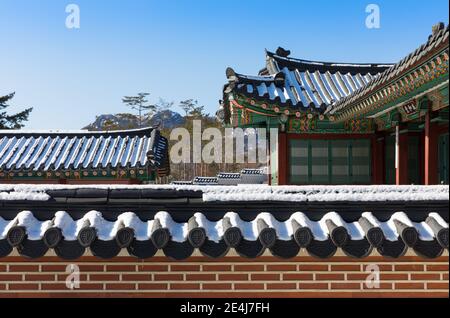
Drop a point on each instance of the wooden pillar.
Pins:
(268, 155)
(282, 159)
(430, 152)
(421, 157)
(377, 159)
(401, 157)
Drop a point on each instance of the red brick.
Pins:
(54, 286)
(63, 277)
(185, 268)
(23, 268)
(91, 268)
(117, 286)
(282, 268)
(184, 286)
(383, 276)
(311, 286)
(136, 277)
(148, 286)
(10, 277)
(282, 286)
(216, 286)
(23, 286)
(393, 276)
(339, 286)
(53, 268)
(39, 277)
(2, 268)
(248, 286)
(168, 277)
(426, 276)
(298, 276)
(233, 277)
(201, 277)
(329, 277)
(439, 285)
(91, 287)
(437, 268)
(382, 267)
(409, 285)
(410, 267)
(248, 268)
(153, 268)
(265, 277)
(346, 268)
(120, 268)
(313, 268)
(381, 286)
(216, 268)
(104, 277)
(445, 276)
(357, 276)
(63, 287)
(2, 286)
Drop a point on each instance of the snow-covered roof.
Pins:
(302, 84)
(246, 176)
(205, 181)
(36, 151)
(438, 41)
(181, 218)
(321, 238)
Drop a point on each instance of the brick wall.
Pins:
(198, 277)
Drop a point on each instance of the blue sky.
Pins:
(179, 49)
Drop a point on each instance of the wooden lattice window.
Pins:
(341, 161)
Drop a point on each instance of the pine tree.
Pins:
(162, 108)
(187, 105)
(139, 103)
(12, 121)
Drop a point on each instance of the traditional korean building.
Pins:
(206, 238)
(83, 157)
(342, 123)
(246, 176)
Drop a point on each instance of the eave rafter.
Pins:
(431, 73)
(274, 110)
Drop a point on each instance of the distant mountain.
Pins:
(166, 119)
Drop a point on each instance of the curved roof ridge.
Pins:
(323, 63)
(256, 77)
(59, 132)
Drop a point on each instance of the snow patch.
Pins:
(35, 229)
(375, 193)
(24, 196)
(439, 219)
(107, 230)
(178, 231)
(214, 230)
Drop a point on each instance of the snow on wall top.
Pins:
(251, 192)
